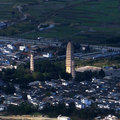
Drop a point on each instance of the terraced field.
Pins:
(91, 21)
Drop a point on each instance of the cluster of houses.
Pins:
(60, 93)
(109, 117)
(19, 53)
(104, 92)
(9, 53)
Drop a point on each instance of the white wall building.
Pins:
(23, 48)
(6, 51)
(86, 101)
(48, 55)
(63, 118)
(10, 46)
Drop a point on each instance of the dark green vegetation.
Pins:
(22, 109)
(87, 113)
(91, 21)
(8, 9)
(54, 111)
(44, 70)
(88, 75)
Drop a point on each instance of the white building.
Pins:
(64, 83)
(34, 83)
(86, 101)
(110, 117)
(48, 55)
(6, 51)
(23, 48)
(79, 106)
(10, 46)
(63, 118)
(2, 107)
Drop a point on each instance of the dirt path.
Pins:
(25, 118)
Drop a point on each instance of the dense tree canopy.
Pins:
(44, 70)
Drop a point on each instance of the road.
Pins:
(103, 47)
(25, 117)
(29, 41)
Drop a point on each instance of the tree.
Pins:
(9, 89)
(101, 73)
(23, 108)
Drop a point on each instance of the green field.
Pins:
(113, 61)
(91, 21)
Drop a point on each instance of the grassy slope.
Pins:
(7, 6)
(100, 62)
(84, 21)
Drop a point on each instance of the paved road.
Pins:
(29, 41)
(104, 47)
(9, 39)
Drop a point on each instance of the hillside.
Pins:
(84, 21)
